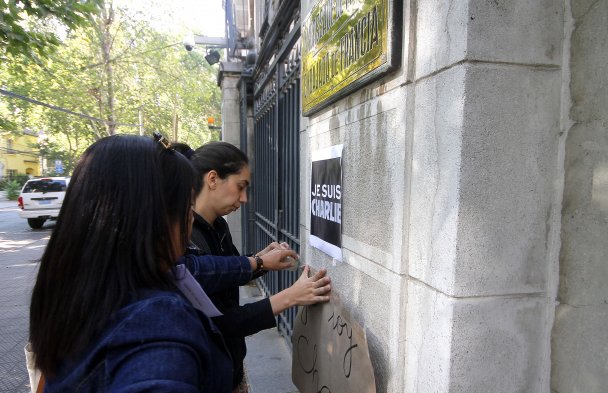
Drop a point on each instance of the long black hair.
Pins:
(222, 157)
(114, 235)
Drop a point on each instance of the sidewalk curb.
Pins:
(5, 203)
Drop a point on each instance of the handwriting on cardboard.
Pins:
(330, 352)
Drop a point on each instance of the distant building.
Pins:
(19, 154)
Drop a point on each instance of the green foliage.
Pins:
(55, 151)
(6, 124)
(20, 179)
(117, 69)
(29, 28)
(12, 188)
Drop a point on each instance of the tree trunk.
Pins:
(107, 19)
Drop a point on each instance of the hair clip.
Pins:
(158, 137)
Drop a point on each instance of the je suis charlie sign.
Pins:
(326, 201)
(345, 45)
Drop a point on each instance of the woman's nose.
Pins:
(243, 198)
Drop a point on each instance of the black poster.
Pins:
(326, 201)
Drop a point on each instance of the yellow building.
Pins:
(19, 155)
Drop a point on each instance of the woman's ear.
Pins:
(211, 179)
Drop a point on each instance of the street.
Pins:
(20, 251)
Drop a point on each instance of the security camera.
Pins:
(212, 56)
(189, 42)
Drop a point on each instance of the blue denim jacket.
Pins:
(159, 342)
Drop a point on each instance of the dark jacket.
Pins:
(237, 321)
(159, 342)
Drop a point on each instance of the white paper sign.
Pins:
(326, 201)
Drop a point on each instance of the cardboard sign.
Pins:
(326, 201)
(330, 352)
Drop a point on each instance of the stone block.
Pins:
(435, 177)
(428, 333)
(508, 179)
(473, 345)
(441, 37)
(515, 31)
(230, 81)
(579, 353)
(499, 345)
(231, 133)
(589, 61)
(231, 94)
(522, 32)
(583, 267)
(373, 181)
(230, 109)
(483, 172)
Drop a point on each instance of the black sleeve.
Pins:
(247, 319)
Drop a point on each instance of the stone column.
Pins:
(484, 217)
(228, 78)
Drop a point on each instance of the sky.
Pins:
(204, 17)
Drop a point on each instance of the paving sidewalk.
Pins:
(268, 360)
(5, 203)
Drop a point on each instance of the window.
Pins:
(44, 185)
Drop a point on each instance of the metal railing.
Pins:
(276, 167)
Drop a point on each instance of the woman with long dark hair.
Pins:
(111, 310)
(223, 176)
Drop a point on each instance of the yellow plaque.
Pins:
(345, 44)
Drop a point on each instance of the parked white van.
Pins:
(41, 199)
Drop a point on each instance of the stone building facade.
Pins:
(475, 190)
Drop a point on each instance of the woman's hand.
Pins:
(274, 246)
(276, 259)
(305, 291)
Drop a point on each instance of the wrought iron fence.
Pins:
(276, 168)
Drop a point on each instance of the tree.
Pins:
(29, 28)
(125, 76)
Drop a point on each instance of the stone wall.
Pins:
(579, 350)
(452, 198)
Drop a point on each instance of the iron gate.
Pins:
(276, 169)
